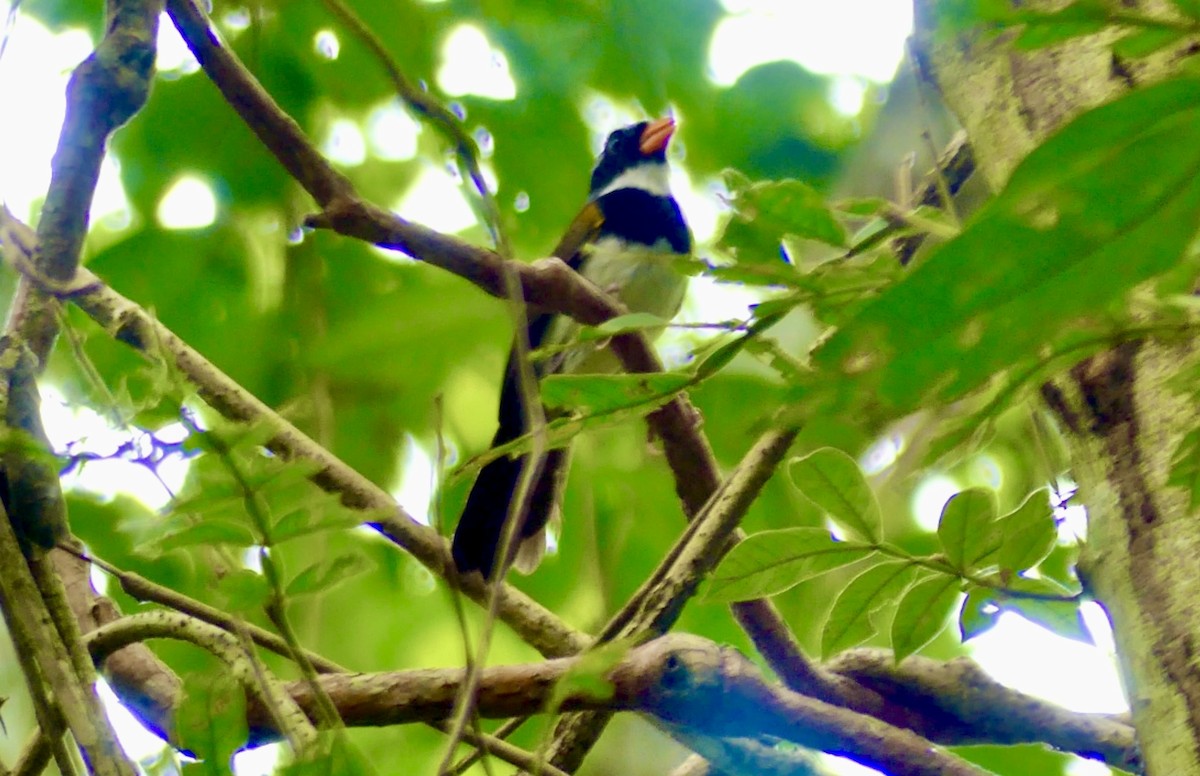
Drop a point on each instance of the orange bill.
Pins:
(656, 135)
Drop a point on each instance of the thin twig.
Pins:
(456, 604)
(142, 589)
(953, 167)
(504, 731)
(514, 755)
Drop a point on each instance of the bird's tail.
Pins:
(481, 528)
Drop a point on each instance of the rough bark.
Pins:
(1121, 421)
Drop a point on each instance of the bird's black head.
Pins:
(628, 147)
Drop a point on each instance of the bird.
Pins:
(627, 240)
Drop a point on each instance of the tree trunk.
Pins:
(1121, 421)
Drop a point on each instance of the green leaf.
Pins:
(922, 613)
(1185, 467)
(244, 590)
(607, 393)
(342, 757)
(562, 430)
(721, 357)
(1189, 8)
(1029, 533)
(849, 623)
(770, 562)
(979, 613)
(1144, 42)
(209, 532)
(626, 323)
(832, 480)
(960, 436)
(766, 212)
(872, 235)
(959, 16)
(1043, 34)
(303, 522)
(967, 528)
(778, 273)
(211, 720)
(1083, 17)
(770, 308)
(838, 289)
(862, 206)
(213, 497)
(588, 674)
(1070, 249)
(233, 436)
(1060, 616)
(323, 575)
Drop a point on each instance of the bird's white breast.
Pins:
(645, 279)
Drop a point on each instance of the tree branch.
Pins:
(104, 92)
(272, 698)
(145, 685)
(963, 705)
(35, 755)
(723, 756)
(143, 589)
(972, 708)
(683, 680)
(45, 658)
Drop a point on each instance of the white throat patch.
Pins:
(648, 176)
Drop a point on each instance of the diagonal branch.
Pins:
(654, 608)
(135, 327)
(971, 704)
(104, 92)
